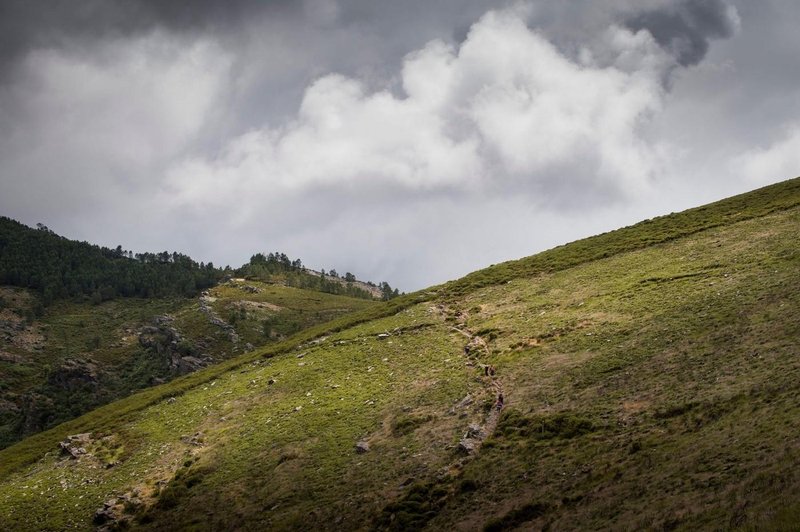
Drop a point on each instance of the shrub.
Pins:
(514, 424)
(516, 517)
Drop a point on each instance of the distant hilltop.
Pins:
(367, 286)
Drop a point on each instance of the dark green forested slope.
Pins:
(59, 268)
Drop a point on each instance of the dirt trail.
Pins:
(476, 348)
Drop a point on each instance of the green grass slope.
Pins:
(650, 379)
(63, 360)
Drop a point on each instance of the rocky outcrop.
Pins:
(75, 374)
(115, 514)
(472, 439)
(12, 358)
(165, 340)
(214, 319)
(188, 364)
(106, 515)
(75, 446)
(17, 331)
(9, 327)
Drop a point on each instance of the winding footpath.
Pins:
(476, 348)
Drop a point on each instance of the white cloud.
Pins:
(112, 118)
(777, 162)
(506, 105)
(155, 92)
(95, 129)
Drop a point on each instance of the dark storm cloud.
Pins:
(685, 28)
(25, 25)
(54, 23)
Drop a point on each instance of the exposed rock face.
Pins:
(75, 446)
(160, 336)
(472, 439)
(214, 319)
(106, 514)
(74, 374)
(111, 516)
(188, 364)
(474, 431)
(468, 445)
(165, 340)
(12, 358)
(17, 331)
(465, 402)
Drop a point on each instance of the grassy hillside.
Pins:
(61, 361)
(644, 378)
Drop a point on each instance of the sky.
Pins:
(410, 142)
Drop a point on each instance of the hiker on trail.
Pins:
(500, 402)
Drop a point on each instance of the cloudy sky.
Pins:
(409, 141)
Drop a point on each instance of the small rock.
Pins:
(171, 400)
(103, 516)
(465, 402)
(271, 381)
(467, 445)
(473, 431)
(362, 447)
(196, 439)
(383, 336)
